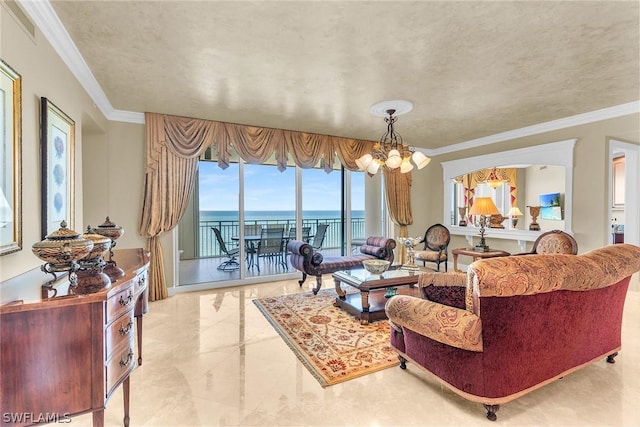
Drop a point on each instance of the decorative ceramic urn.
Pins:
(101, 244)
(62, 249)
(113, 232)
(110, 230)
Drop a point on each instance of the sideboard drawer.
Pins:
(120, 303)
(121, 363)
(121, 330)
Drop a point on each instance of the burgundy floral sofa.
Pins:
(305, 259)
(511, 325)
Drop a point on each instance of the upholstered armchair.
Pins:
(554, 242)
(436, 244)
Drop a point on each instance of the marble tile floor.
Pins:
(212, 359)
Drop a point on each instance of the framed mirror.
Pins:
(10, 160)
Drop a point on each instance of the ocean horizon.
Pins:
(290, 215)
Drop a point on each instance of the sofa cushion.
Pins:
(376, 251)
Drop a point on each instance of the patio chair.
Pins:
(270, 248)
(306, 234)
(232, 263)
(249, 245)
(318, 239)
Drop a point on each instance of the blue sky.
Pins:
(266, 188)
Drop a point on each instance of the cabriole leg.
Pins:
(491, 411)
(403, 362)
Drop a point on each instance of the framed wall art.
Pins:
(10, 160)
(551, 206)
(57, 138)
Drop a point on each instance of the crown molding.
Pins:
(42, 14)
(577, 120)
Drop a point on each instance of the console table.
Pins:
(65, 355)
(475, 255)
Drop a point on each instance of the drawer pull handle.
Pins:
(125, 361)
(124, 302)
(124, 329)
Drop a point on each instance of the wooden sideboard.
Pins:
(64, 356)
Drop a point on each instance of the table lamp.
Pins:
(514, 213)
(483, 206)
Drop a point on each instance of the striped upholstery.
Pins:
(305, 259)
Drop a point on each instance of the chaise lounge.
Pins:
(305, 259)
(511, 325)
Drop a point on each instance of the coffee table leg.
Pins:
(339, 291)
(365, 315)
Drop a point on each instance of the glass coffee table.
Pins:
(368, 304)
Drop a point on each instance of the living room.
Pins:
(110, 159)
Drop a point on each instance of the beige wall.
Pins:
(590, 218)
(43, 75)
(110, 160)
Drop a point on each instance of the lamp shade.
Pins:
(483, 206)
(406, 165)
(515, 211)
(393, 159)
(373, 167)
(420, 159)
(364, 161)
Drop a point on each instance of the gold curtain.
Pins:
(174, 145)
(471, 181)
(398, 195)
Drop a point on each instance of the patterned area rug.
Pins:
(332, 344)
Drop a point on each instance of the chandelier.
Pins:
(390, 151)
(493, 180)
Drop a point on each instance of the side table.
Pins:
(475, 255)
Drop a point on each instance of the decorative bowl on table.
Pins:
(376, 266)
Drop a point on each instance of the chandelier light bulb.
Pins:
(420, 159)
(393, 159)
(364, 161)
(373, 167)
(406, 165)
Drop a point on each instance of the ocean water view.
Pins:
(272, 215)
(227, 222)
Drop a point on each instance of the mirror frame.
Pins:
(556, 153)
(13, 166)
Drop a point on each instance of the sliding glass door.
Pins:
(220, 233)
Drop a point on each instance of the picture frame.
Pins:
(57, 136)
(10, 160)
(551, 206)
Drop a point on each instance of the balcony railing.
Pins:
(209, 247)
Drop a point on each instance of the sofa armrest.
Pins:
(448, 325)
(444, 288)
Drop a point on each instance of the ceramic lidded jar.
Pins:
(101, 244)
(62, 248)
(109, 229)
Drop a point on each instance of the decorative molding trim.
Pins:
(46, 19)
(42, 14)
(577, 120)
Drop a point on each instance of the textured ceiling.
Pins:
(472, 69)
